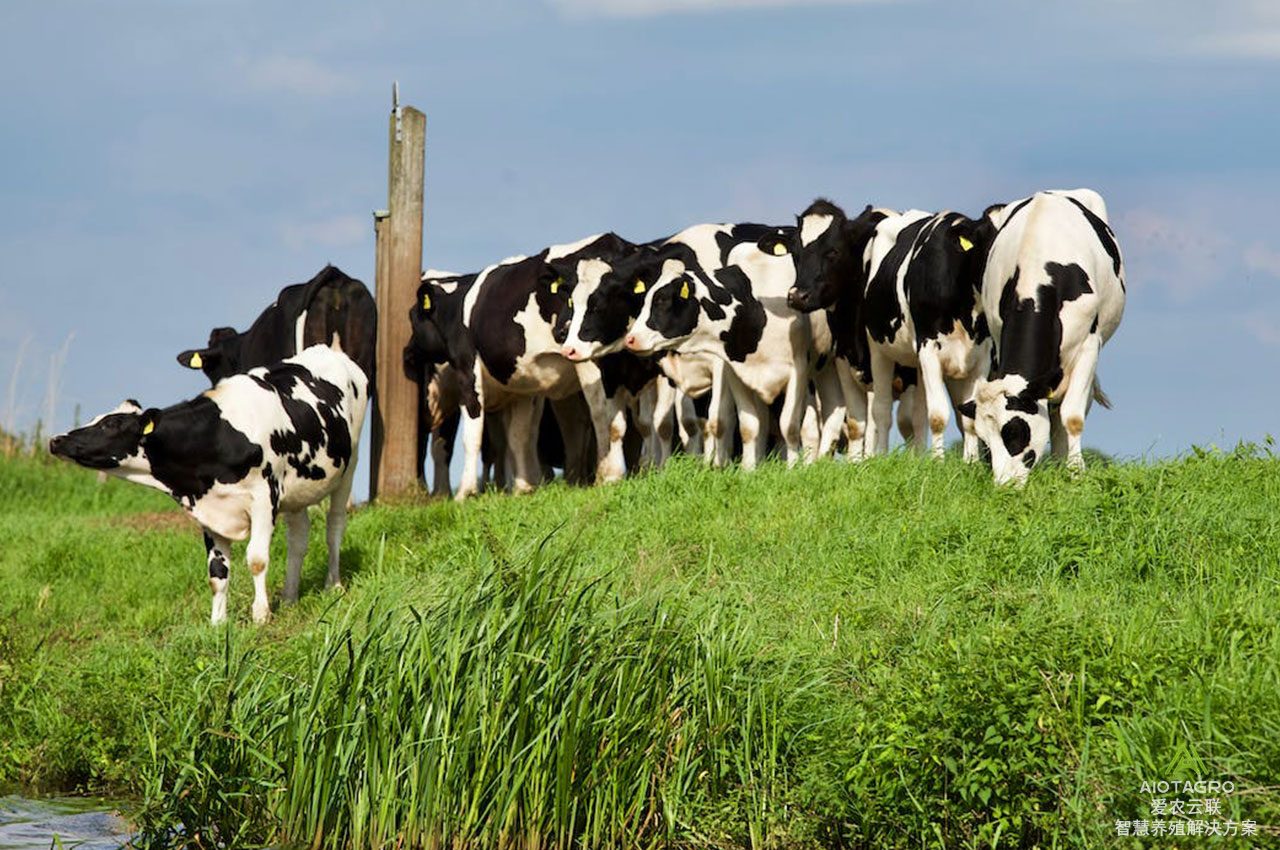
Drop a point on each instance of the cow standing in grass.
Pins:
(1054, 293)
(272, 441)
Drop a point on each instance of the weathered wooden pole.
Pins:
(398, 274)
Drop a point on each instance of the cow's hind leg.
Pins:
(299, 528)
(217, 552)
(336, 524)
(1075, 401)
(877, 437)
(261, 524)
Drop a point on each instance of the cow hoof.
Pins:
(261, 616)
(336, 587)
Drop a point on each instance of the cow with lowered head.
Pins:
(267, 442)
(1054, 293)
(329, 308)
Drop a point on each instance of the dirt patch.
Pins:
(154, 521)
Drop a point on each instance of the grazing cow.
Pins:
(273, 440)
(920, 279)
(1054, 293)
(331, 306)
(497, 331)
(721, 291)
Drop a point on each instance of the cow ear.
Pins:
(774, 244)
(196, 358)
(150, 418)
(425, 301)
(968, 409)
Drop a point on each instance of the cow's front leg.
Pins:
(855, 399)
(664, 420)
(523, 418)
(881, 403)
(258, 552)
(935, 397)
(441, 454)
(791, 417)
(609, 419)
(832, 409)
(217, 550)
(753, 421)
(298, 525)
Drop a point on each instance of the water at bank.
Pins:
(86, 824)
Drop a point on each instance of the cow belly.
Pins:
(224, 510)
(550, 375)
(298, 492)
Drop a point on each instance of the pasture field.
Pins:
(887, 655)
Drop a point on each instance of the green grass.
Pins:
(886, 655)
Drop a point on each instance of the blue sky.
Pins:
(169, 166)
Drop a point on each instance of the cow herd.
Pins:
(723, 340)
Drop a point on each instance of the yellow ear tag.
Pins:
(555, 286)
(684, 289)
(570, 300)
(639, 287)
(149, 427)
(779, 249)
(196, 361)
(965, 244)
(426, 300)
(1050, 395)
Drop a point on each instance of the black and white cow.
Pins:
(920, 276)
(274, 440)
(497, 331)
(1054, 293)
(330, 307)
(607, 294)
(722, 292)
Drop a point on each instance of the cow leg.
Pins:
(713, 448)
(833, 410)
(919, 422)
(753, 418)
(791, 417)
(442, 453)
(906, 418)
(472, 435)
(664, 419)
(690, 425)
(644, 413)
(855, 399)
(523, 418)
(936, 397)
(261, 524)
(810, 432)
(1057, 433)
(336, 523)
(1075, 401)
(298, 525)
(217, 550)
(609, 419)
(961, 390)
(881, 403)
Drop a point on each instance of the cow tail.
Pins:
(1098, 395)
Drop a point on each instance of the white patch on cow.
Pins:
(813, 226)
(590, 273)
(299, 331)
(555, 252)
(437, 274)
(126, 406)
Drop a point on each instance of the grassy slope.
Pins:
(989, 663)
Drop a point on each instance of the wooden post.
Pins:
(398, 274)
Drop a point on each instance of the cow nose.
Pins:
(569, 352)
(795, 300)
(631, 341)
(54, 444)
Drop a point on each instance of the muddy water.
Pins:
(27, 824)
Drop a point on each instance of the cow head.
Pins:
(428, 319)
(1012, 417)
(607, 295)
(670, 312)
(220, 359)
(113, 442)
(828, 249)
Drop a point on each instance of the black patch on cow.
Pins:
(1104, 233)
(217, 564)
(1093, 328)
(740, 233)
(102, 445)
(1013, 212)
(1031, 337)
(609, 310)
(498, 338)
(670, 315)
(312, 425)
(943, 281)
(193, 447)
(626, 370)
(883, 315)
(1070, 280)
(1029, 459)
(1025, 403)
(1016, 435)
(742, 337)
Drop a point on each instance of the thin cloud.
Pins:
(294, 75)
(653, 8)
(1258, 44)
(1260, 258)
